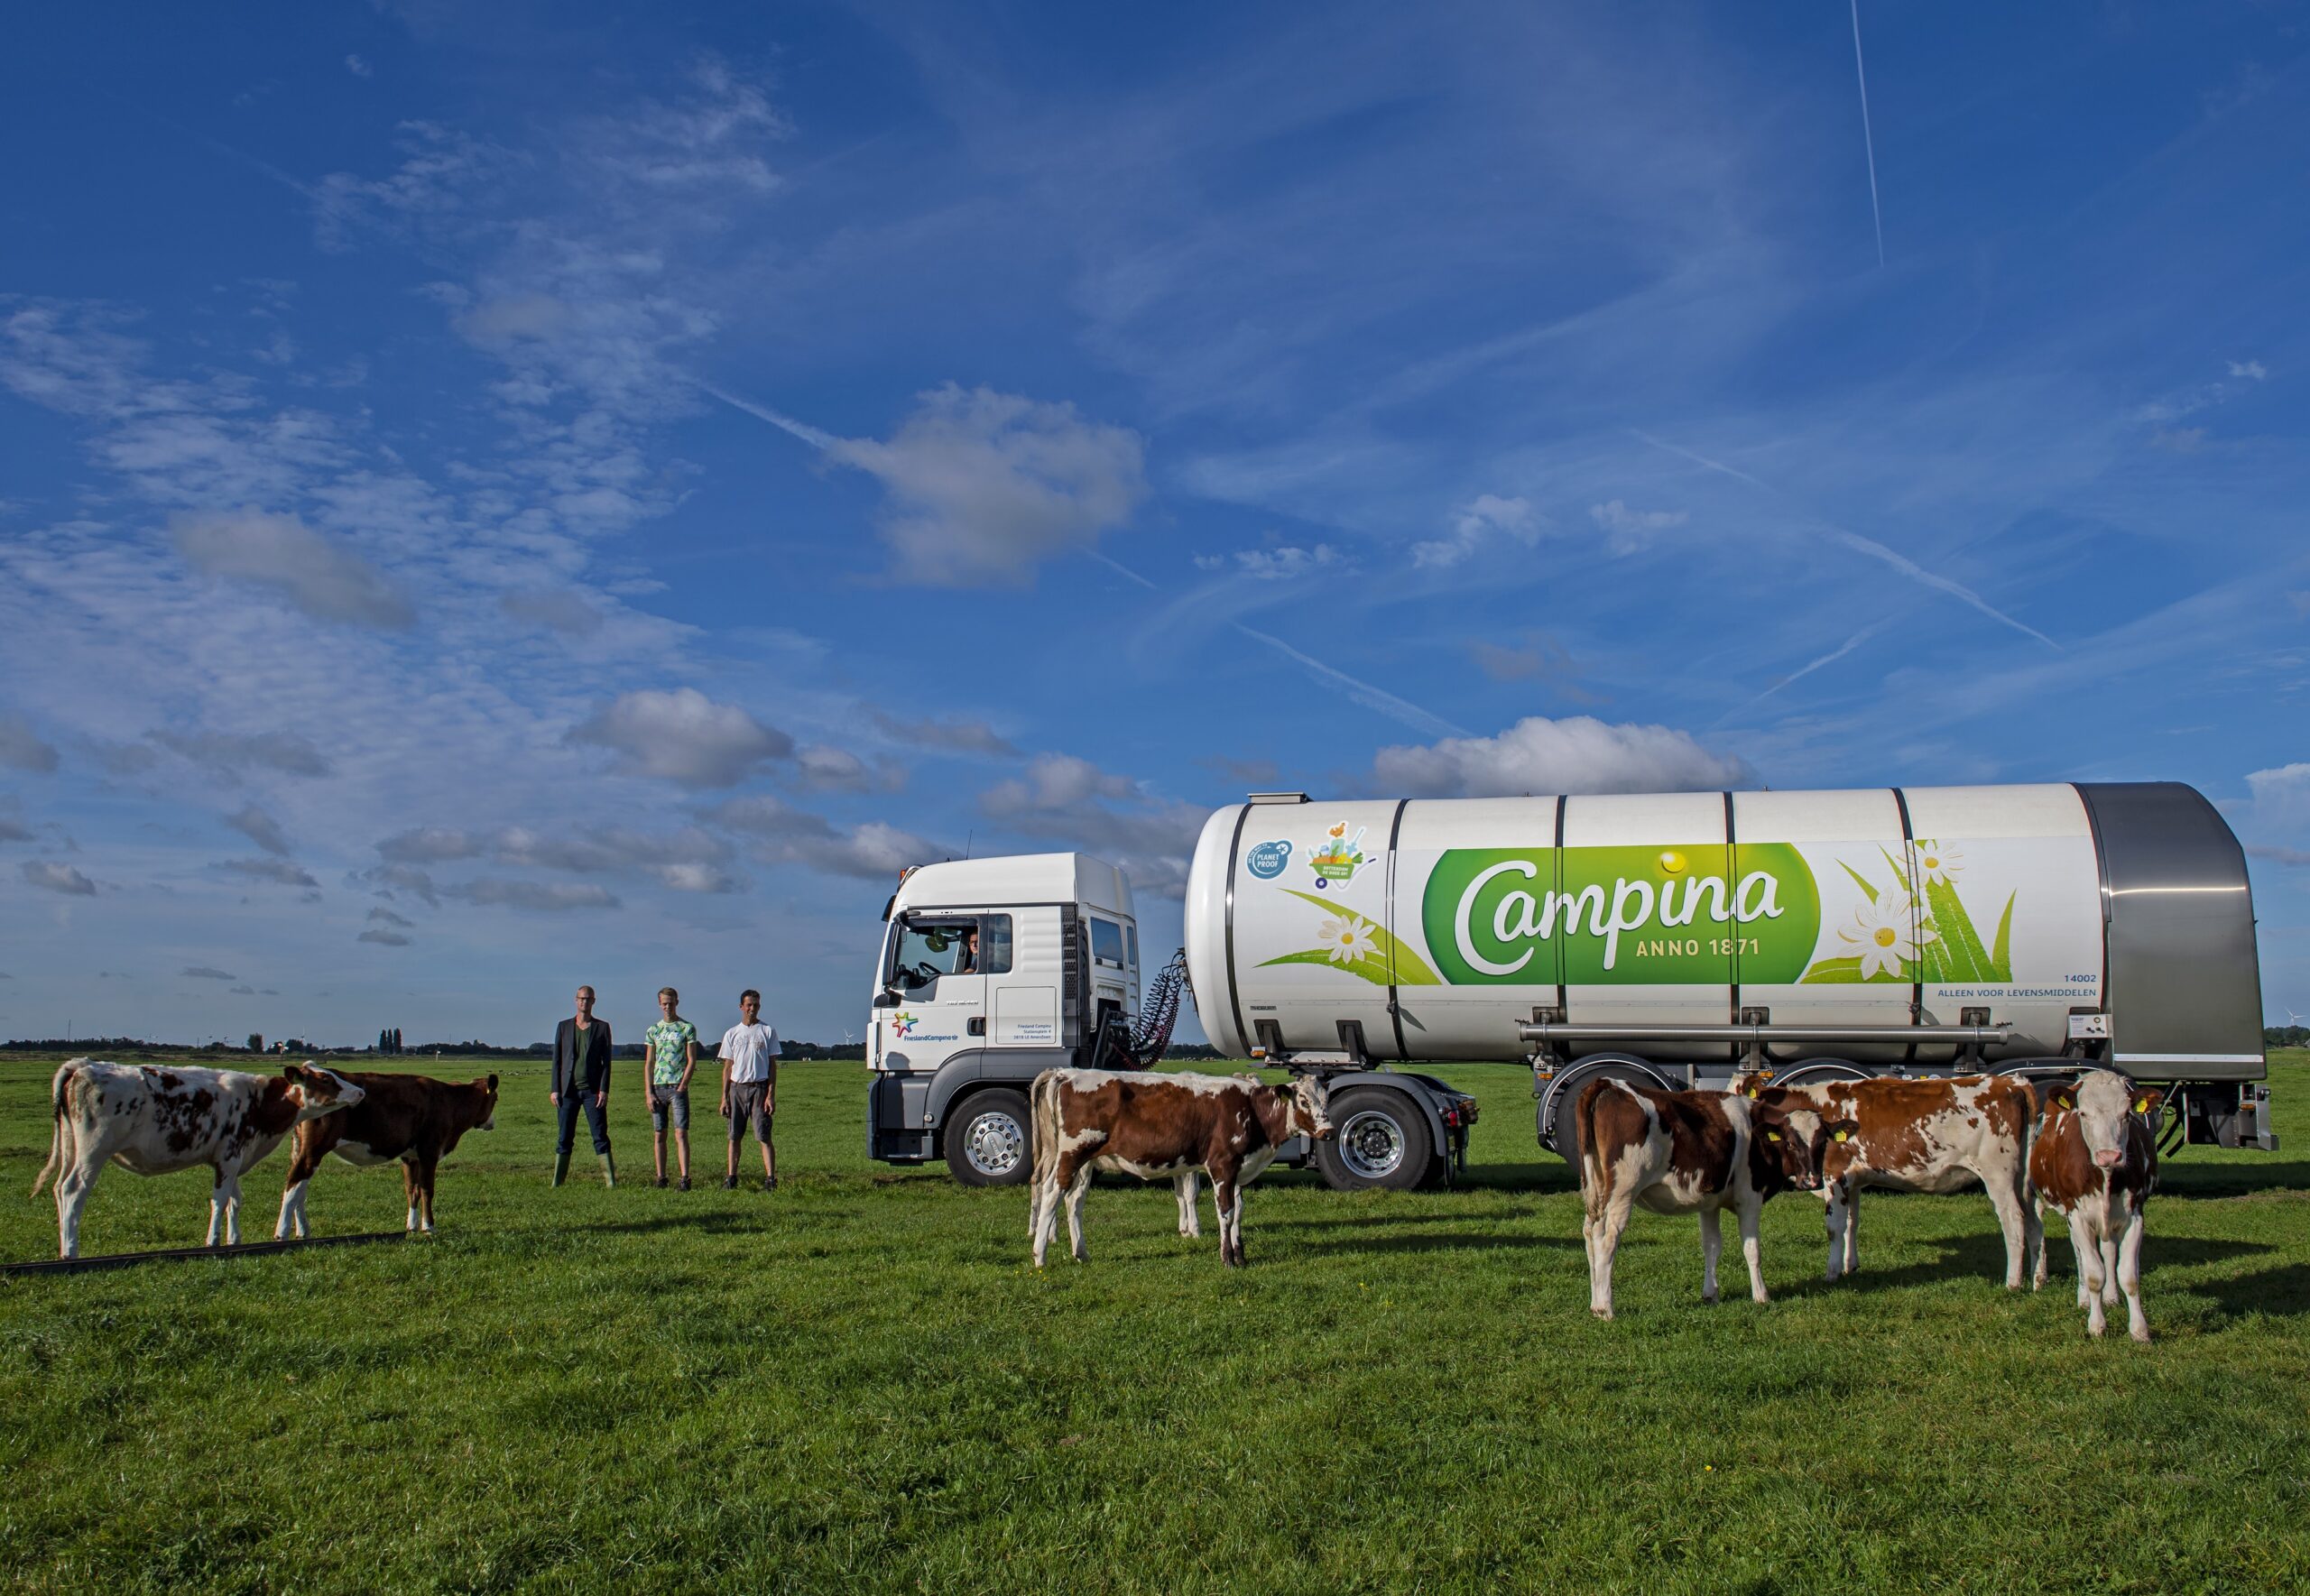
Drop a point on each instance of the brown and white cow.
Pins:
(2093, 1161)
(1925, 1135)
(415, 1119)
(1688, 1152)
(1161, 1126)
(157, 1119)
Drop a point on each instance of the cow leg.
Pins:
(1750, 1209)
(409, 1191)
(1837, 1214)
(1603, 1248)
(1712, 1244)
(425, 1170)
(2129, 1276)
(2005, 1196)
(1850, 1191)
(73, 1185)
(2087, 1233)
(2110, 1293)
(1186, 1186)
(1227, 1201)
(2038, 1241)
(225, 1209)
(1075, 1195)
(2033, 1234)
(1044, 1218)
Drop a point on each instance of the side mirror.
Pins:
(886, 998)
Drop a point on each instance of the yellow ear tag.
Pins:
(2141, 1105)
(1772, 1136)
(1840, 1136)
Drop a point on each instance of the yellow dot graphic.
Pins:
(1672, 862)
(1885, 936)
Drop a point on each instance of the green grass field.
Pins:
(857, 1381)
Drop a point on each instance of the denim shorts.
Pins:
(668, 1102)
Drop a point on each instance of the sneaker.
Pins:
(730, 1183)
(684, 1183)
(662, 1183)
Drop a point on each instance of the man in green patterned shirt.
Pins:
(668, 1053)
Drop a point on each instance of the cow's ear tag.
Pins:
(1772, 1136)
(2141, 1105)
(1840, 1135)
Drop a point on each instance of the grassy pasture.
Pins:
(858, 1382)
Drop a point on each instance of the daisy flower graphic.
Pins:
(1936, 863)
(1882, 933)
(1344, 939)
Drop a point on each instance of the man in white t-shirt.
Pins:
(749, 1055)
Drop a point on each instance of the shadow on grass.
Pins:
(1462, 1241)
(2188, 1180)
(1984, 1257)
(2283, 1291)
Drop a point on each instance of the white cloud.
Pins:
(954, 736)
(232, 753)
(260, 828)
(207, 972)
(683, 736)
(1056, 781)
(317, 575)
(389, 879)
(783, 833)
(431, 845)
(20, 749)
(1538, 755)
(282, 871)
(2252, 370)
(1628, 531)
(51, 876)
(1486, 516)
(382, 938)
(542, 897)
(1071, 801)
(1271, 565)
(712, 139)
(982, 486)
(359, 66)
(686, 860)
(386, 916)
(819, 769)
(557, 610)
(2281, 795)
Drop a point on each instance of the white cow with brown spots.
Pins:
(2093, 1161)
(1929, 1135)
(1161, 1126)
(157, 1119)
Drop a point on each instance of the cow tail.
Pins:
(57, 1089)
(1042, 1101)
(1591, 1164)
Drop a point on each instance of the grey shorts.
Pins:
(667, 1104)
(752, 1103)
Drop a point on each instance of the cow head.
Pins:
(317, 1091)
(2104, 1103)
(1794, 1146)
(1309, 1108)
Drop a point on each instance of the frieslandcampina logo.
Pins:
(1635, 916)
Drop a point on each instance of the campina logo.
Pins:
(1650, 915)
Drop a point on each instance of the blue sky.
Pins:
(492, 497)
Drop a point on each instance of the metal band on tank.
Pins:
(1234, 1002)
(1563, 992)
(1395, 1008)
(1916, 987)
(2109, 898)
(1733, 867)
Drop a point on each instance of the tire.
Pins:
(991, 1140)
(1380, 1138)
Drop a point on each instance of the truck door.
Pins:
(940, 988)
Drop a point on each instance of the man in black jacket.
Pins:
(581, 1079)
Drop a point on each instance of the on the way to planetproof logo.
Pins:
(1267, 859)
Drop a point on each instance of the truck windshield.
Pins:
(929, 949)
(1106, 943)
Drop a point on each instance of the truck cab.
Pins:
(990, 971)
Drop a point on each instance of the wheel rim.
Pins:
(993, 1143)
(1371, 1145)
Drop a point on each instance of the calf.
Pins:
(1685, 1152)
(1161, 1126)
(2093, 1161)
(158, 1119)
(413, 1118)
(1934, 1135)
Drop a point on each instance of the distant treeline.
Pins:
(92, 1046)
(2285, 1035)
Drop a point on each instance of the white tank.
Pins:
(1435, 928)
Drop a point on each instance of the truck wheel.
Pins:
(1378, 1139)
(1566, 1142)
(992, 1141)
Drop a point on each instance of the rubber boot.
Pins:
(560, 1168)
(609, 1170)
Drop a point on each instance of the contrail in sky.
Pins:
(1867, 546)
(1866, 142)
(1374, 698)
(1831, 658)
(816, 439)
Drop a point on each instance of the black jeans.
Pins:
(596, 1119)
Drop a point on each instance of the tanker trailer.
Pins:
(1674, 939)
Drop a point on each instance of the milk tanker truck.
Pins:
(1672, 940)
